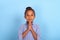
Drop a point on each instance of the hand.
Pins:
(30, 28)
(30, 25)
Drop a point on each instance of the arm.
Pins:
(34, 34)
(32, 31)
(25, 33)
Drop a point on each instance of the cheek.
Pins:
(26, 17)
(33, 17)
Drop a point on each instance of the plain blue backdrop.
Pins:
(47, 16)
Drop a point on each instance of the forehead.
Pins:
(29, 12)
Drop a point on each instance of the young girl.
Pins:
(29, 30)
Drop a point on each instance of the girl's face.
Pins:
(30, 15)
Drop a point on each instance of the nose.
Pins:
(29, 17)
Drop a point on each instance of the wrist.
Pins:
(28, 30)
(31, 30)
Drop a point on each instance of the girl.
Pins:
(29, 30)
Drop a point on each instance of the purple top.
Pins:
(29, 35)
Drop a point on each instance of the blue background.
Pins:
(47, 16)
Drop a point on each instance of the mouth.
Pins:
(29, 19)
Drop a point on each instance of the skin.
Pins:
(30, 17)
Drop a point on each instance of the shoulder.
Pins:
(36, 28)
(22, 26)
(36, 25)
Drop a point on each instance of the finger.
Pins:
(30, 22)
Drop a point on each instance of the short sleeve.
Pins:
(38, 32)
(20, 33)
